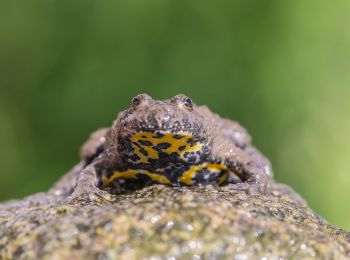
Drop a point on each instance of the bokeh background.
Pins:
(281, 68)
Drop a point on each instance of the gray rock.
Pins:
(160, 222)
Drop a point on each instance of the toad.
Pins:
(172, 142)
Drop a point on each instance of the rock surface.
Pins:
(170, 223)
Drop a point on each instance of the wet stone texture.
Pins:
(160, 222)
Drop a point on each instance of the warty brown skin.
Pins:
(226, 141)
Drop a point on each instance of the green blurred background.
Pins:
(281, 68)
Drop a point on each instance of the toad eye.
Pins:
(183, 101)
(188, 103)
(141, 99)
(136, 101)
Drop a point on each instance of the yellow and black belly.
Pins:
(167, 158)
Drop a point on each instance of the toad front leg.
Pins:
(88, 152)
(86, 189)
(247, 163)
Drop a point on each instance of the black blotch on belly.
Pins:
(144, 152)
(191, 142)
(134, 157)
(191, 157)
(158, 135)
(181, 148)
(144, 178)
(164, 156)
(178, 137)
(145, 142)
(205, 176)
(155, 164)
(174, 156)
(161, 146)
(164, 160)
(175, 171)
